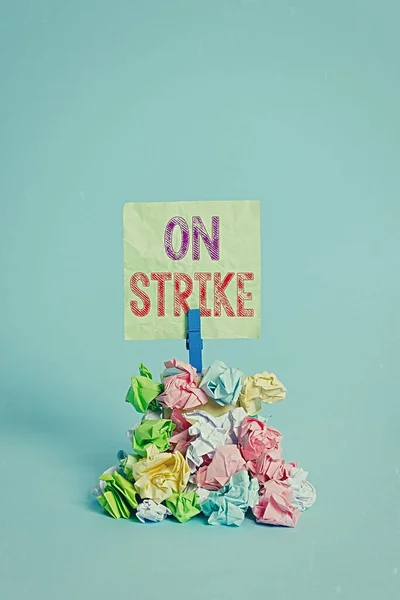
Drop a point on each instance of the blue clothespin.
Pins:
(194, 343)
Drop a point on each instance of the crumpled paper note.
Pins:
(181, 442)
(275, 506)
(221, 383)
(303, 493)
(99, 489)
(263, 387)
(265, 468)
(143, 390)
(152, 433)
(154, 411)
(228, 505)
(160, 476)
(201, 493)
(183, 506)
(217, 410)
(181, 438)
(148, 510)
(118, 495)
(210, 432)
(127, 461)
(180, 421)
(226, 461)
(255, 437)
(180, 388)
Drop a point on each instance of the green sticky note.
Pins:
(152, 432)
(119, 496)
(144, 371)
(127, 464)
(143, 390)
(183, 506)
(181, 255)
(113, 504)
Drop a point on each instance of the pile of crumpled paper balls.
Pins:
(202, 447)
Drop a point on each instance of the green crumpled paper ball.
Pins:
(127, 461)
(183, 506)
(152, 432)
(118, 497)
(143, 390)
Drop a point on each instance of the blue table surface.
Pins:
(292, 103)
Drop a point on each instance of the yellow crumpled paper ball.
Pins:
(263, 387)
(158, 477)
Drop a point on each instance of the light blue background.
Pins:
(293, 102)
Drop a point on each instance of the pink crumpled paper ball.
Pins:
(256, 438)
(181, 439)
(226, 461)
(275, 505)
(180, 389)
(266, 468)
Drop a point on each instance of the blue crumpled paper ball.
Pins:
(222, 383)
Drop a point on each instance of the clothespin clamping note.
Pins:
(194, 343)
